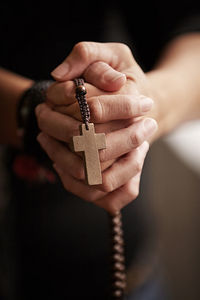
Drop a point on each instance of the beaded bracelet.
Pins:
(26, 119)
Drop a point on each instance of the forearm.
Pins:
(12, 87)
(175, 83)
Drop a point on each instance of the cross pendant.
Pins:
(90, 142)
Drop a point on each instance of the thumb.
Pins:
(104, 77)
(85, 53)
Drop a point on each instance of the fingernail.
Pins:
(150, 126)
(112, 75)
(119, 76)
(146, 104)
(60, 71)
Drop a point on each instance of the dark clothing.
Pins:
(61, 243)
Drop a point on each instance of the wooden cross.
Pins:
(90, 142)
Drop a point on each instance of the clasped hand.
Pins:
(118, 97)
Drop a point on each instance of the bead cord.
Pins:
(80, 96)
(118, 280)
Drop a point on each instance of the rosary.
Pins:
(90, 143)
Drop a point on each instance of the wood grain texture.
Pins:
(89, 143)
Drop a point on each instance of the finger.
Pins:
(54, 124)
(63, 127)
(106, 127)
(62, 156)
(124, 169)
(127, 139)
(63, 93)
(116, 200)
(85, 53)
(66, 160)
(105, 108)
(111, 202)
(106, 164)
(103, 76)
(113, 107)
(78, 188)
(113, 126)
(72, 110)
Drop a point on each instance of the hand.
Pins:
(110, 67)
(120, 181)
(125, 109)
(104, 108)
(115, 58)
(115, 117)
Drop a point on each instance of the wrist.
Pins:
(170, 103)
(175, 83)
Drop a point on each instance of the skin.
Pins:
(176, 100)
(174, 84)
(118, 114)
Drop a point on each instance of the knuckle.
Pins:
(128, 106)
(108, 184)
(96, 109)
(82, 49)
(135, 194)
(41, 119)
(135, 139)
(132, 190)
(138, 166)
(91, 197)
(125, 48)
(113, 207)
(103, 155)
(79, 173)
(107, 187)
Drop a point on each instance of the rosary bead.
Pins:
(119, 275)
(117, 239)
(117, 230)
(116, 221)
(118, 248)
(80, 89)
(119, 284)
(119, 258)
(117, 293)
(119, 267)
